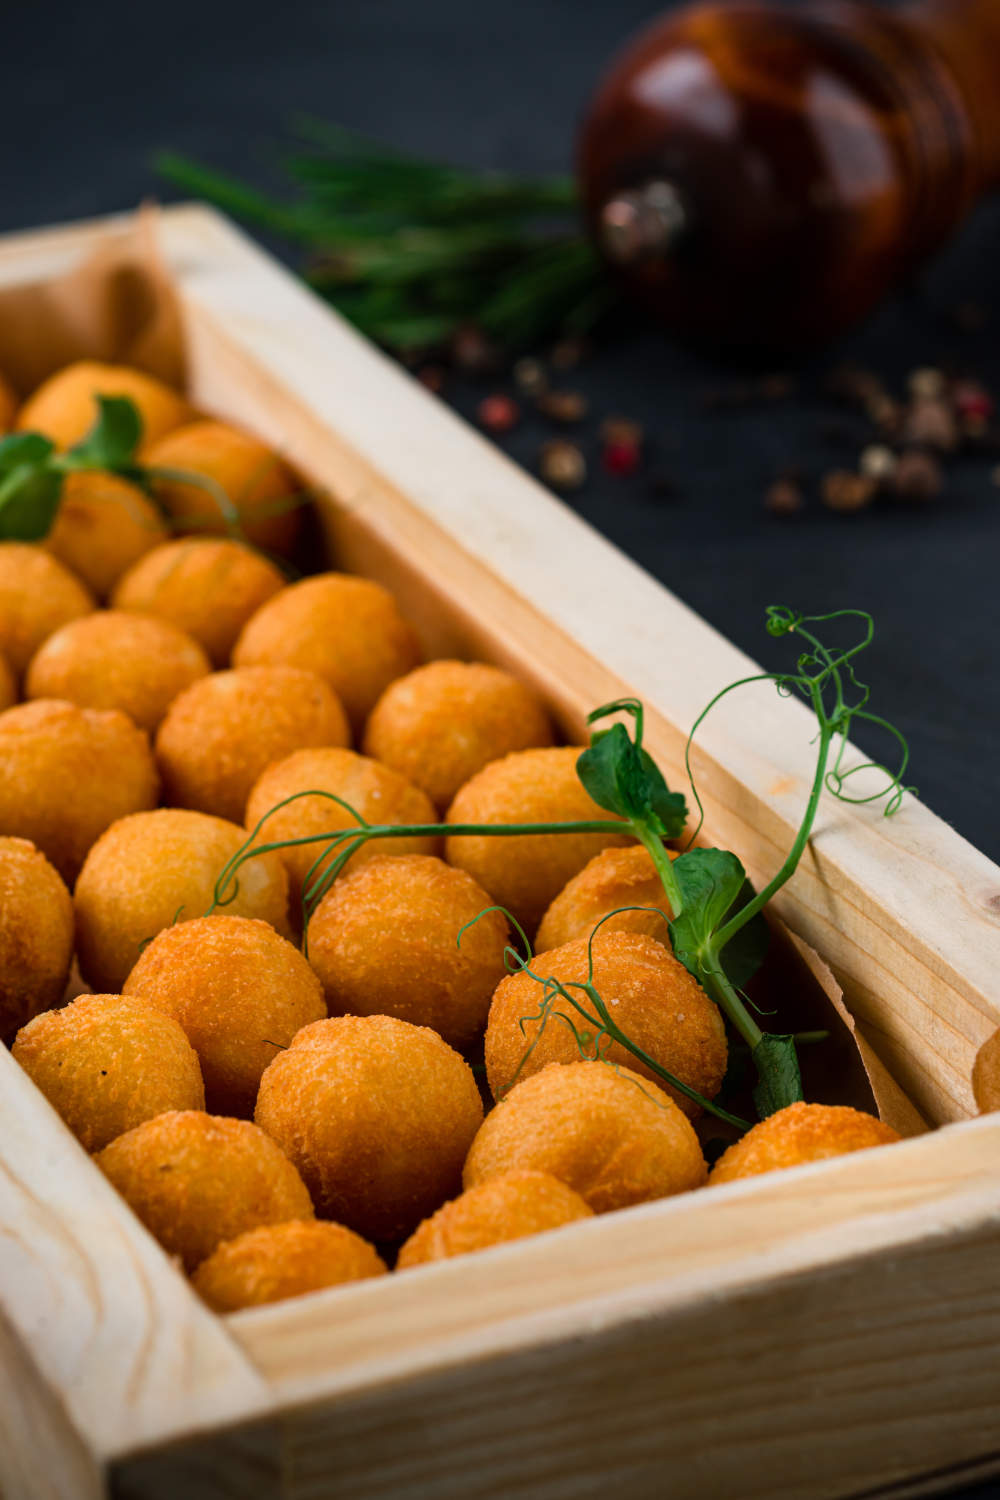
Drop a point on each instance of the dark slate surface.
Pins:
(87, 93)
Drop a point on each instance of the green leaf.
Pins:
(624, 779)
(669, 808)
(113, 439)
(29, 502)
(779, 1081)
(23, 448)
(714, 887)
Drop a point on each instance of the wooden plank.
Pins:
(109, 1324)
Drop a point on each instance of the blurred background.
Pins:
(88, 95)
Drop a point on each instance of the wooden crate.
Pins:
(828, 1331)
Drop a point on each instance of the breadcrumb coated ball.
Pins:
(197, 1180)
(613, 1137)
(208, 586)
(67, 773)
(36, 935)
(347, 629)
(239, 990)
(797, 1134)
(106, 1063)
(259, 485)
(224, 731)
(378, 794)
(509, 1207)
(37, 595)
(8, 684)
(613, 878)
(377, 1115)
(284, 1260)
(649, 995)
(64, 407)
(154, 869)
(524, 872)
(384, 941)
(443, 722)
(103, 526)
(116, 660)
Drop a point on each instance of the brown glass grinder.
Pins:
(763, 173)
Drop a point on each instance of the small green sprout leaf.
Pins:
(23, 449)
(779, 1081)
(113, 439)
(29, 502)
(623, 778)
(715, 888)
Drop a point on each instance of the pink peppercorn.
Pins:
(620, 459)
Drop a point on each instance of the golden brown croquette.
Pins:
(103, 526)
(384, 941)
(800, 1133)
(443, 722)
(239, 990)
(67, 773)
(208, 586)
(106, 1063)
(197, 1180)
(222, 733)
(8, 684)
(37, 595)
(284, 1260)
(613, 1137)
(377, 1115)
(36, 935)
(509, 1207)
(155, 869)
(347, 629)
(64, 407)
(612, 879)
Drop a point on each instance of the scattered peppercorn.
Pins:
(930, 422)
(926, 384)
(783, 498)
(530, 377)
(566, 407)
(974, 407)
(562, 465)
(622, 430)
(843, 490)
(918, 476)
(620, 459)
(433, 377)
(568, 353)
(878, 462)
(498, 413)
(472, 351)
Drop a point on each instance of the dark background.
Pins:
(87, 93)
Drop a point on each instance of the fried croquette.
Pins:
(37, 596)
(443, 722)
(222, 733)
(240, 992)
(284, 1260)
(64, 407)
(116, 660)
(613, 1137)
(198, 1180)
(385, 941)
(102, 527)
(208, 586)
(347, 629)
(612, 879)
(155, 869)
(260, 487)
(649, 995)
(509, 1207)
(381, 796)
(525, 872)
(36, 935)
(377, 1115)
(67, 773)
(797, 1134)
(106, 1064)
(8, 684)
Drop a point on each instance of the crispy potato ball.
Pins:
(347, 629)
(378, 794)
(8, 404)
(37, 596)
(613, 878)
(36, 935)
(509, 1207)
(197, 1180)
(649, 994)
(284, 1260)
(67, 773)
(103, 526)
(239, 990)
(116, 660)
(261, 487)
(613, 1137)
(105, 1064)
(377, 1115)
(442, 723)
(223, 732)
(8, 685)
(64, 407)
(384, 941)
(800, 1133)
(157, 868)
(207, 586)
(524, 873)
